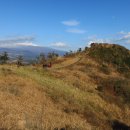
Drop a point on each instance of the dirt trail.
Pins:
(65, 66)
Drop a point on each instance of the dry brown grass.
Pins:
(85, 75)
(24, 105)
(47, 99)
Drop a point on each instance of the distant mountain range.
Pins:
(28, 52)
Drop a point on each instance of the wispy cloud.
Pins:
(78, 31)
(96, 39)
(124, 38)
(26, 44)
(18, 41)
(59, 45)
(122, 32)
(99, 41)
(71, 23)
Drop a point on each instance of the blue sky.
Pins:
(64, 24)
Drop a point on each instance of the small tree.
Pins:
(55, 54)
(66, 54)
(86, 48)
(19, 60)
(42, 58)
(52, 56)
(70, 52)
(79, 50)
(4, 57)
(49, 56)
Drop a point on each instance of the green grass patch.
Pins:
(58, 89)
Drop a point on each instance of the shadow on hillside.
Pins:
(116, 125)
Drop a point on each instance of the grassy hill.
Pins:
(111, 53)
(87, 91)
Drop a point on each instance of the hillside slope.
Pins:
(80, 92)
(26, 101)
(105, 80)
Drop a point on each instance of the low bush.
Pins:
(117, 87)
(111, 53)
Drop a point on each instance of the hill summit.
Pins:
(110, 53)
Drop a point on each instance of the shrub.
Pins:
(117, 87)
(111, 53)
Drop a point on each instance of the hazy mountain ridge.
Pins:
(29, 52)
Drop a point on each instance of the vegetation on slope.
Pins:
(25, 105)
(112, 85)
(80, 92)
(111, 53)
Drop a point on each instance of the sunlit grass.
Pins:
(24, 102)
(63, 92)
(60, 90)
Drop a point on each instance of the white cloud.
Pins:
(78, 31)
(18, 41)
(98, 41)
(128, 41)
(59, 44)
(95, 39)
(71, 23)
(26, 44)
(124, 38)
(121, 38)
(122, 32)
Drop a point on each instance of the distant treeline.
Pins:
(40, 59)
